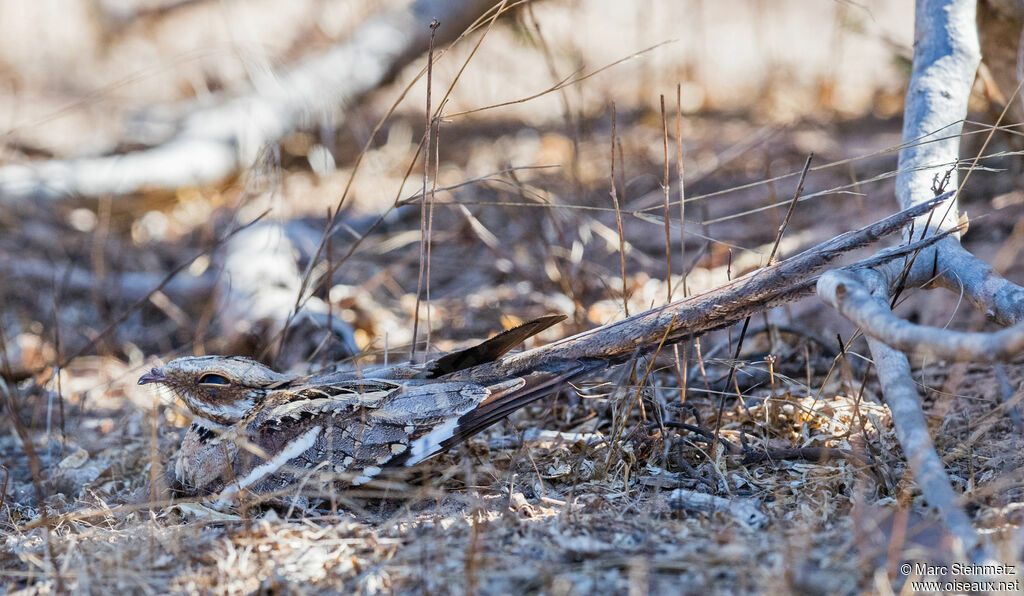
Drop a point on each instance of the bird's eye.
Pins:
(214, 380)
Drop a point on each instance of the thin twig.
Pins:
(618, 221)
(423, 205)
(664, 185)
(792, 206)
(566, 82)
(682, 192)
(703, 432)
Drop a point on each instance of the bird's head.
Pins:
(222, 390)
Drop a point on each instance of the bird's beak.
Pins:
(153, 376)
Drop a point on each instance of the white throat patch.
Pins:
(232, 411)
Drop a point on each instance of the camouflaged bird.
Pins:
(259, 430)
(256, 429)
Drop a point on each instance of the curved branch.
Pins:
(946, 58)
(1001, 300)
(852, 299)
(904, 403)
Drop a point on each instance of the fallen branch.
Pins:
(707, 435)
(815, 454)
(127, 285)
(700, 314)
(213, 144)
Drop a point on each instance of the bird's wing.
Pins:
(491, 349)
(314, 426)
(355, 428)
(501, 400)
(315, 400)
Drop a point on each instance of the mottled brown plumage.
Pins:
(255, 428)
(259, 430)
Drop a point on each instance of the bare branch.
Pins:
(908, 418)
(696, 315)
(214, 143)
(946, 57)
(129, 285)
(852, 299)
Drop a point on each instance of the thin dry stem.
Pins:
(618, 222)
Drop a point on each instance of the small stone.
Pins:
(75, 460)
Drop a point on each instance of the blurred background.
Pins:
(760, 85)
(97, 288)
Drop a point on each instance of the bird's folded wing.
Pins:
(491, 349)
(502, 399)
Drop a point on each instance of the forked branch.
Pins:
(946, 58)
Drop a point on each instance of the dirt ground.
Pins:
(572, 495)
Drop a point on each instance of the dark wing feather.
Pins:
(537, 384)
(491, 349)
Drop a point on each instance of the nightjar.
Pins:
(259, 430)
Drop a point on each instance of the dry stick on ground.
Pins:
(129, 285)
(214, 143)
(693, 316)
(946, 58)
(753, 456)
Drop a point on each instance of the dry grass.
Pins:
(584, 512)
